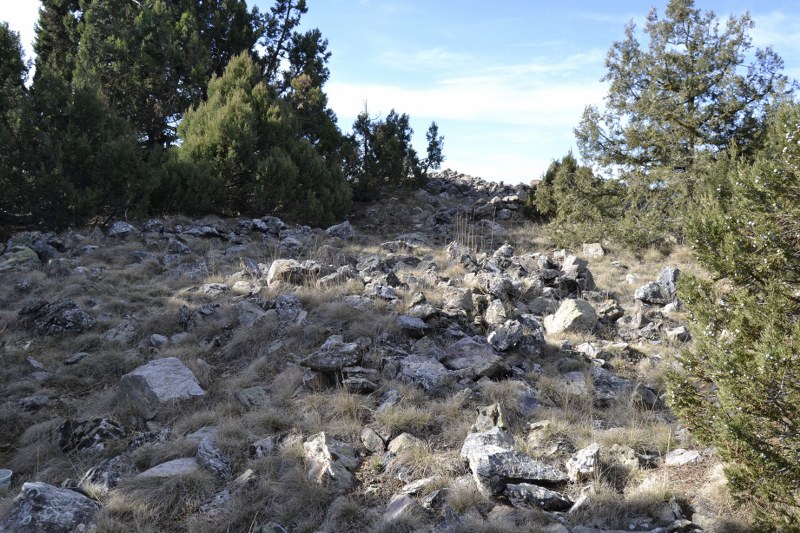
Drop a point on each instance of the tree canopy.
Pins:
(694, 88)
(118, 82)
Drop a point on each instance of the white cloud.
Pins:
(527, 93)
(502, 122)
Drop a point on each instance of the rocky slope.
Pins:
(429, 365)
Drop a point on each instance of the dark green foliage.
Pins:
(577, 202)
(250, 143)
(740, 387)
(152, 59)
(382, 158)
(57, 37)
(278, 31)
(85, 159)
(435, 152)
(687, 94)
(12, 93)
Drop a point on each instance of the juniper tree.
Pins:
(250, 143)
(739, 389)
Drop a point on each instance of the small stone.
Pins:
(681, 457)
(584, 464)
(372, 441)
(404, 442)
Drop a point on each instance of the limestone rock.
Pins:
(330, 461)
(494, 440)
(572, 316)
(372, 441)
(524, 494)
(147, 388)
(403, 442)
(343, 231)
(43, 508)
(476, 354)
(494, 470)
(584, 464)
(489, 417)
(593, 250)
(292, 271)
(176, 467)
(680, 457)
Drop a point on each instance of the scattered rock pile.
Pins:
(229, 315)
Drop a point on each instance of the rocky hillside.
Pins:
(430, 365)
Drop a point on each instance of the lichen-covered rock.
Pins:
(333, 355)
(210, 457)
(494, 463)
(56, 318)
(87, 436)
(42, 508)
(19, 258)
(159, 382)
(526, 494)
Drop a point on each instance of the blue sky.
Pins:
(506, 82)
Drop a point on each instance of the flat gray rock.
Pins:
(160, 381)
(176, 467)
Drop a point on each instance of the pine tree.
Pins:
(12, 93)
(57, 37)
(153, 59)
(689, 92)
(577, 202)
